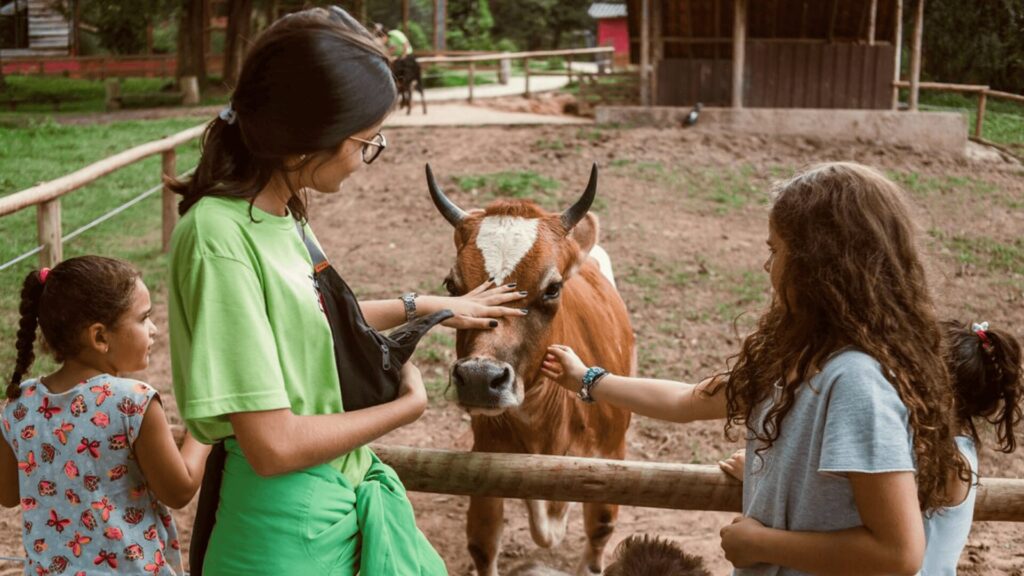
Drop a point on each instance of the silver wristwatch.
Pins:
(409, 300)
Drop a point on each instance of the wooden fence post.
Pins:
(980, 120)
(739, 41)
(526, 70)
(48, 224)
(472, 78)
(168, 169)
(915, 56)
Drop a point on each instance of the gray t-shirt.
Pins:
(846, 418)
(946, 531)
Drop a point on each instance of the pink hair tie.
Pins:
(43, 274)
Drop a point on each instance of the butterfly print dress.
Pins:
(85, 504)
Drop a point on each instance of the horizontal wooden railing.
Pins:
(982, 90)
(472, 60)
(630, 483)
(46, 196)
(103, 67)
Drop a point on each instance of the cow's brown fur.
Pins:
(592, 319)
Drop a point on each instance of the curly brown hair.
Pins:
(852, 277)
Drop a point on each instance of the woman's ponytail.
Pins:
(31, 294)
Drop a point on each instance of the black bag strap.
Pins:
(206, 511)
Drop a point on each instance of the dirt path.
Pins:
(683, 217)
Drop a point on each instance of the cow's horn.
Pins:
(574, 214)
(452, 213)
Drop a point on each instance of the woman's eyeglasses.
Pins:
(372, 147)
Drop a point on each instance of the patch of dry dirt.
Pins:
(684, 218)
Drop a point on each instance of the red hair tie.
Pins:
(43, 274)
(982, 331)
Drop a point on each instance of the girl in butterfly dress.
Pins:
(88, 454)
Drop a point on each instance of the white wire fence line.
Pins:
(94, 223)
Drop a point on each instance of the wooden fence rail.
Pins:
(630, 483)
(46, 196)
(982, 90)
(569, 54)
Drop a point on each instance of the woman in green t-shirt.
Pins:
(252, 353)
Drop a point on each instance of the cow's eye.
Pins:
(554, 290)
(450, 286)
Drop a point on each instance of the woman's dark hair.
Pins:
(78, 293)
(986, 379)
(308, 83)
(852, 277)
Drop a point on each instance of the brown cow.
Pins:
(497, 374)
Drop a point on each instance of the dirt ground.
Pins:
(684, 219)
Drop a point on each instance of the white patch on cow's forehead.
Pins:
(504, 240)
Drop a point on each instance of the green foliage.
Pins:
(536, 24)
(417, 37)
(121, 24)
(978, 42)
(470, 25)
(35, 94)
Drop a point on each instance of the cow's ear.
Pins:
(585, 233)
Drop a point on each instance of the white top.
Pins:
(946, 531)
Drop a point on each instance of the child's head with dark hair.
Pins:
(643, 555)
(89, 306)
(986, 371)
(846, 271)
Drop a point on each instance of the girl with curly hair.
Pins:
(841, 389)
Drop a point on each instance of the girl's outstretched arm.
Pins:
(173, 475)
(891, 541)
(661, 399)
(9, 492)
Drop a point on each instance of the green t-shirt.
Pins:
(247, 330)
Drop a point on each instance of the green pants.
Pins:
(312, 522)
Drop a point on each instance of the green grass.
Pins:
(81, 96)
(437, 77)
(984, 252)
(1004, 120)
(524, 184)
(45, 151)
(927, 186)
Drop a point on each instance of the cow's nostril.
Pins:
(457, 379)
(499, 382)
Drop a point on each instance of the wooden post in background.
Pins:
(915, 56)
(645, 52)
(48, 226)
(472, 76)
(897, 42)
(405, 17)
(526, 72)
(979, 121)
(168, 169)
(657, 52)
(872, 18)
(739, 41)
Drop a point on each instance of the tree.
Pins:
(982, 43)
(470, 24)
(120, 24)
(239, 26)
(536, 24)
(193, 17)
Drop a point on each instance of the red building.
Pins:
(612, 28)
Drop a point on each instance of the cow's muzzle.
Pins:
(485, 384)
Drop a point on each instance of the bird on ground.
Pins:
(691, 118)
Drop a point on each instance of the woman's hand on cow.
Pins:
(562, 365)
(733, 465)
(479, 309)
(412, 391)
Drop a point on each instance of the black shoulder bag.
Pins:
(369, 368)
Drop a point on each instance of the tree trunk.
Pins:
(239, 26)
(191, 44)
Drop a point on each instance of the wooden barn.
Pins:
(34, 28)
(769, 53)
